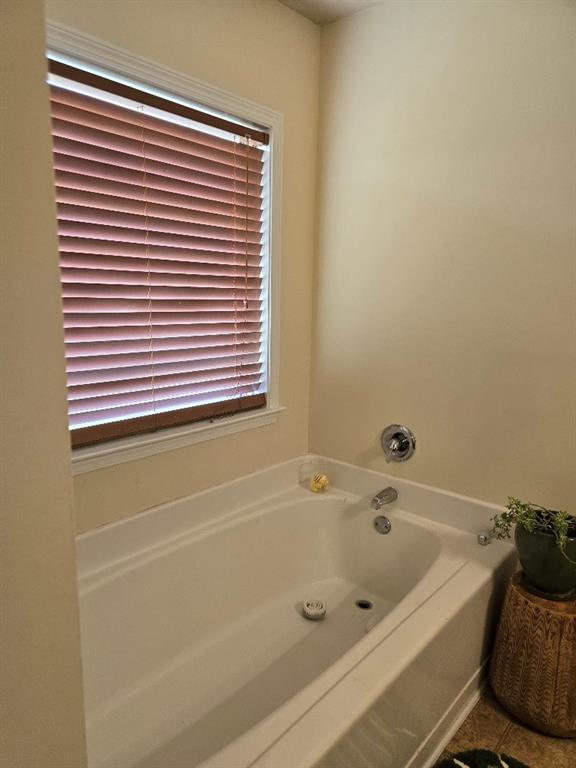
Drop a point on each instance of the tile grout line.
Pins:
(502, 739)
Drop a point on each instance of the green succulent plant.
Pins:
(535, 519)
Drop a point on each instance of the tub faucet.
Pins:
(387, 496)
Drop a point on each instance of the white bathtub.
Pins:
(195, 651)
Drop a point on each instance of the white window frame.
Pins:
(65, 41)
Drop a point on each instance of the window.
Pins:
(163, 236)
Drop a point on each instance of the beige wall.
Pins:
(40, 687)
(261, 50)
(447, 264)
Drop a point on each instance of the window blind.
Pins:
(160, 224)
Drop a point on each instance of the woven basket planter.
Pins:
(533, 667)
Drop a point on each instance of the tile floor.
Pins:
(489, 726)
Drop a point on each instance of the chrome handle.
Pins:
(398, 443)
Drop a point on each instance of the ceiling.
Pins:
(326, 11)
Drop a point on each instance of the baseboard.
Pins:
(434, 745)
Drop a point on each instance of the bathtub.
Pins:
(196, 652)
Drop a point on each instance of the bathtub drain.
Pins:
(315, 610)
(364, 605)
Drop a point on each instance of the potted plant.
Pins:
(546, 544)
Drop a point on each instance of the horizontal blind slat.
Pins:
(201, 253)
(118, 332)
(116, 370)
(160, 380)
(179, 344)
(123, 124)
(138, 277)
(80, 219)
(206, 241)
(169, 397)
(211, 309)
(160, 182)
(79, 205)
(199, 264)
(91, 156)
(189, 197)
(94, 369)
(181, 294)
(230, 166)
(206, 252)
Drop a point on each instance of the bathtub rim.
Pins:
(259, 488)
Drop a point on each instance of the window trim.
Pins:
(124, 449)
(65, 41)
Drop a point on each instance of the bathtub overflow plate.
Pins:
(382, 524)
(315, 610)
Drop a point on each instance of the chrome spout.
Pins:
(387, 496)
